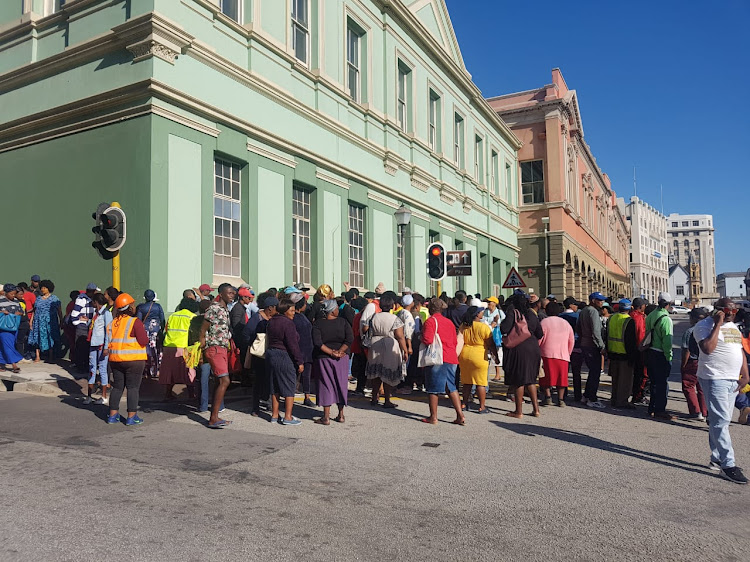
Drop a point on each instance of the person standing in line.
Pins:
(69, 331)
(214, 338)
(536, 305)
(46, 321)
(151, 314)
(305, 332)
(332, 337)
(406, 315)
(620, 368)
(478, 344)
(721, 364)
(99, 349)
(80, 317)
(589, 330)
(257, 324)
(283, 362)
(29, 299)
(555, 348)
(35, 285)
(204, 292)
(441, 379)
(638, 358)
(173, 368)
(691, 387)
(570, 315)
(386, 361)
(203, 372)
(659, 357)
(492, 316)
(127, 357)
(359, 352)
(11, 313)
(521, 362)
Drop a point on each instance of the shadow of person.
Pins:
(595, 443)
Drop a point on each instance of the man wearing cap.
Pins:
(80, 317)
(35, 288)
(620, 369)
(589, 330)
(205, 292)
(637, 357)
(576, 357)
(492, 316)
(535, 305)
(659, 357)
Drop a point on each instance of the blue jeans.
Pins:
(97, 359)
(658, 376)
(720, 397)
(593, 358)
(742, 401)
(202, 378)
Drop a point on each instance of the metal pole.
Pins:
(116, 261)
(546, 257)
(439, 285)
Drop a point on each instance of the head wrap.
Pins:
(9, 287)
(329, 306)
(325, 291)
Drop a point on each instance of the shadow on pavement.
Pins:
(601, 444)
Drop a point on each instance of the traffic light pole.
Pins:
(116, 261)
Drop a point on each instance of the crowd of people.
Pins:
(282, 342)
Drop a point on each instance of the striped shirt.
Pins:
(84, 306)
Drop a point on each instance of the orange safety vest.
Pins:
(123, 347)
(746, 345)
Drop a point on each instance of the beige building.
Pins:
(691, 243)
(649, 264)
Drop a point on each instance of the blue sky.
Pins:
(661, 84)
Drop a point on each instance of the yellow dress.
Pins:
(473, 359)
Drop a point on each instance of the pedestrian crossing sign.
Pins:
(514, 280)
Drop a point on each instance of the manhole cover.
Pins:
(433, 445)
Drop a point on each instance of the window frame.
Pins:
(359, 272)
(304, 27)
(240, 16)
(459, 152)
(403, 77)
(434, 132)
(298, 266)
(223, 197)
(356, 65)
(534, 186)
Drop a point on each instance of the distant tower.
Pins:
(695, 281)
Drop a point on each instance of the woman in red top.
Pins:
(440, 378)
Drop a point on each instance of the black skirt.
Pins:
(521, 363)
(282, 373)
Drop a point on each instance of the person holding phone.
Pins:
(722, 371)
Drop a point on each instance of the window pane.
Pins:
(236, 211)
(236, 230)
(537, 167)
(300, 43)
(235, 267)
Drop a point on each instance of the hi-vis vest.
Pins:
(616, 333)
(123, 347)
(177, 329)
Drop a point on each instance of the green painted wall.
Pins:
(272, 228)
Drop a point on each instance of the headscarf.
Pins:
(9, 288)
(325, 291)
(469, 315)
(328, 306)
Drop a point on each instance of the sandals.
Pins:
(321, 421)
(389, 405)
(219, 424)
(427, 420)
(461, 422)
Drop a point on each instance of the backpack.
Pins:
(519, 333)
(648, 339)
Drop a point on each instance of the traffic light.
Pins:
(436, 261)
(109, 230)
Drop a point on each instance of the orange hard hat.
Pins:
(123, 301)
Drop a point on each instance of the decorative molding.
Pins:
(150, 48)
(447, 226)
(381, 199)
(467, 205)
(420, 179)
(182, 120)
(419, 215)
(270, 155)
(470, 235)
(392, 162)
(153, 35)
(325, 176)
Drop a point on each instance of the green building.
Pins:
(265, 141)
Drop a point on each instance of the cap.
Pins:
(204, 287)
(244, 292)
(638, 302)
(533, 298)
(665, 297)
(519, 292)
(476, 302)
(492, 299)
(149, 295)
(406, 291)
(370, 295)
(302, 287)
(605, 304)
(36, 278)
(569, 301)
(290, 290)
(380, 289)
(597, 297)
(92, 287)
(406, 300)
(552, 297)
(296, 297)
(271, 301)
(625, 304)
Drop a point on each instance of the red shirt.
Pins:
(357, 342)
(640, 325)
(447, 332)
(30, 299)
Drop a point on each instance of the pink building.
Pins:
(573, 239)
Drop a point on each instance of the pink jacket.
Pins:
(558, 339)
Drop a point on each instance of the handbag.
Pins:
(648, 340)
(367, 336)
(233, 358)
(258, 349)
(431, 355)
(497, 336)
(9, 322)
(519, 333)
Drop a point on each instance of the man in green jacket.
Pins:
(659, 356)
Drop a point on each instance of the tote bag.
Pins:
(9, 322)
(519, 333)
(258, 349)
(431, 355)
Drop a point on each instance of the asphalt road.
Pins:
(574, 484)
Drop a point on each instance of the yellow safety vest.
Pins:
(178, 325)
(616, 333)
(122, 346)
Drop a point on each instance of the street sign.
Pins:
(459, 263)
(514, 280)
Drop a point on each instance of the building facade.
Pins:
(265, 141)
(732, 285)
(679, 284)
(691, 243)
(649, 263)
(574, 239)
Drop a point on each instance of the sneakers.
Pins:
(584, 401)
(698, 417)
(309, 403)
(113, 419)
(101, 401)
(293, 421)
(135, 420)
(546, 401)
(714, 465)
(87, 400)
(596, 404)
(743, 416)
(734, 474)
